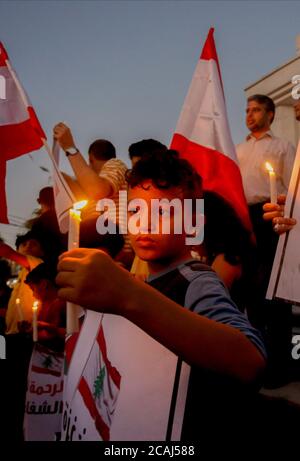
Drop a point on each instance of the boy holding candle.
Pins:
(184, 306)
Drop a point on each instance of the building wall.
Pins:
(277, 84)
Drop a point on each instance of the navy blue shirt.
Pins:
(212, 398)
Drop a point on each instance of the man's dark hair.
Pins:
(5, 271)
(145, 147)
(266, 101)
(102, 149)
(28, 236)
(165, 169)
(46, 197)
(42, 272)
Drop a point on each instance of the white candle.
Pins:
(273, 184)
(19, 310)
(73, 242)
(34, 321)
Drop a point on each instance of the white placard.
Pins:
(130, 386)
(285, 277)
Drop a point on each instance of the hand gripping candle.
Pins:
(73, 242)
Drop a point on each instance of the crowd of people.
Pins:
(233, 338)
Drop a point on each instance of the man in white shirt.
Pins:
(261, 146)
(275, 212)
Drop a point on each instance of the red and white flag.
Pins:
(20, 130)
(120, 384)
(202, 135)
(92, 384)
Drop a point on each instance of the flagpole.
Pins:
(73, 242)
(49, 151)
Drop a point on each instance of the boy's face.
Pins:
(159, 249)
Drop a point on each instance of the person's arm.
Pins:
(93, 185)
(75, 187)
(227, 272)
(90, 278)
(7, 252)
(50, 330)
(275, 212)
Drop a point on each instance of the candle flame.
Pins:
(18, 301)
(35, 306)
(79, 205)
(269, 167)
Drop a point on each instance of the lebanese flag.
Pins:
(202, 135)
(20, 130)
(94, 403)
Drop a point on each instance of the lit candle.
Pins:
(34, 321)
(73, 242)
(19, 310)
(273, 185)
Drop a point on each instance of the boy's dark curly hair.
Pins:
(144, 147)
(165, 169)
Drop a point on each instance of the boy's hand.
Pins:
(274, 210)
(91, 279)
(63, 135)
(281, 225)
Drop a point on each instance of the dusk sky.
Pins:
(121, 69)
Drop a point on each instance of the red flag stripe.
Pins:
(3, 55)
(209, 51)
(18, 139)
(70, 347)
(89, 401)
(21, 131)
(3, 205)
(219, 173)
(35, 123)
(202, 134)
(113, 372)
